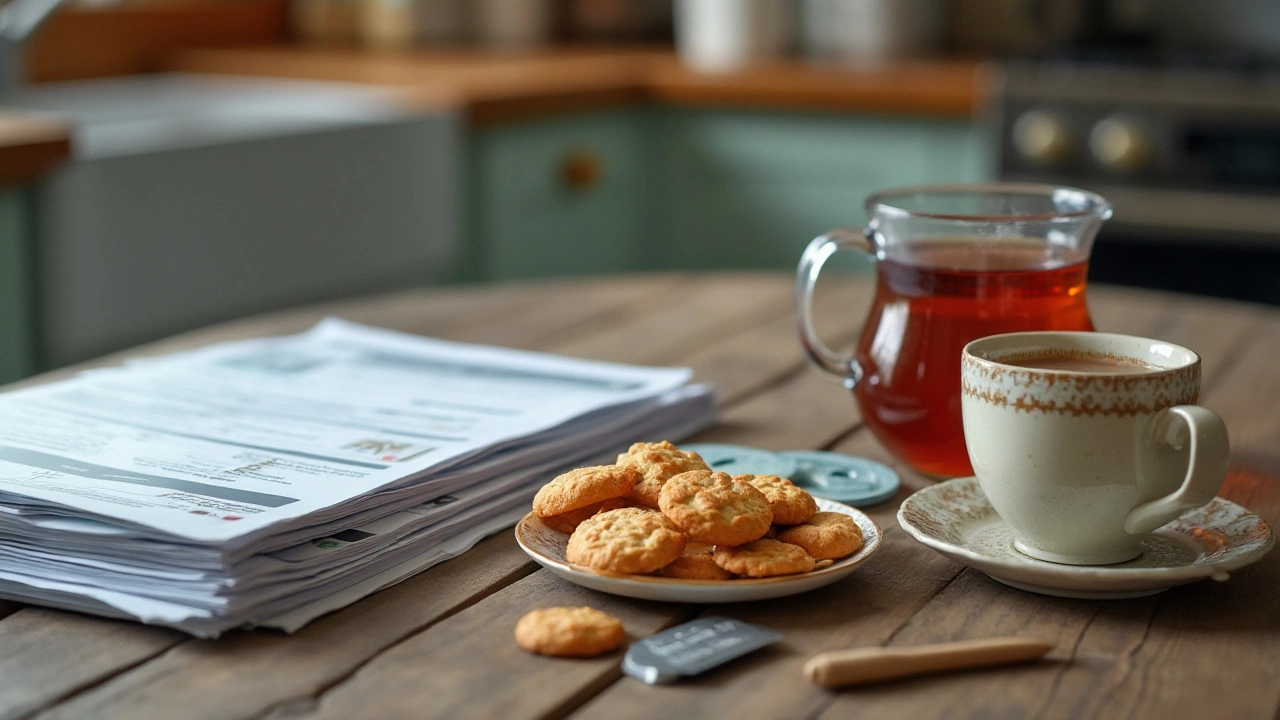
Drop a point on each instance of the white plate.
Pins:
(956, 519)
(547, 548)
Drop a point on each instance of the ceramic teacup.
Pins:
(1085, 441)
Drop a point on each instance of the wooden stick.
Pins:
(840, 668)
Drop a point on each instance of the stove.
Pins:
(1187, 150)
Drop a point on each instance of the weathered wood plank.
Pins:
(505, 603)
(1248, 396)
(177, 674)
(521, 308)
(1103, 655)
(1202, 650)
(405, 652)
(1130, 311)
(469, 665)
(1218, 331)
(766, 352)
(975, 607)
(708, 311)
(866, 608)
(249, 672)
(48, 654)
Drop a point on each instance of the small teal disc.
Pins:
(844, 478)
(741, 460)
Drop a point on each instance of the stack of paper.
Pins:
(265, 482)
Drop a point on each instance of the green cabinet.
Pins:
(17, 319)
(751, 189)
(562, 196)
(679, 188)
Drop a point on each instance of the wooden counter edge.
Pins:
(30, 146)
(950, 89)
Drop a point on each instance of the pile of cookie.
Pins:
(663, 510)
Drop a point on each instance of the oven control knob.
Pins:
(1041, 137)
(1120, 144)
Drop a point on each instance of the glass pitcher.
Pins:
(953, 264)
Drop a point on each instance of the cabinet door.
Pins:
(558, 197)
(750, 189)
(17, 273)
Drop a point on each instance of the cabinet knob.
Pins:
(581, 169)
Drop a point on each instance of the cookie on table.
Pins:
(696, 563)
(581, 487)
(569, 632)
(791, 505)
(715, 508)
(569, 521)
(657, 462)
(828, 535)
(764, 558)
(628, 541)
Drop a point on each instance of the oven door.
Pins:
(1220, 244)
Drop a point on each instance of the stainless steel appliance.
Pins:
(1187, 150)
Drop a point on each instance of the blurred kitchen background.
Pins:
(166, 164)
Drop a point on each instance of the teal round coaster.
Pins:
(852, 480)
(742, 460)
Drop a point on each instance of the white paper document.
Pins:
(256, 479)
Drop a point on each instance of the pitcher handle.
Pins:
(815, 256)
(1206, 467)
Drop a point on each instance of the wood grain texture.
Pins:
(250, 672)
(470, 666)
(49, 654)
(440, 644)
(867, 608)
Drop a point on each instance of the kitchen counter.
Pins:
(30, 146)
(493, 87)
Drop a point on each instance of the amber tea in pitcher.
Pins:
(953, 264)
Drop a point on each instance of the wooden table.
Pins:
(439, 645)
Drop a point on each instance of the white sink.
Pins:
(195, 199)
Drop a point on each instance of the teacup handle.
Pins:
(1206, 468)
(815, 256)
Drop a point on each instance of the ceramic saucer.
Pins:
(547, 548)
(956, 519)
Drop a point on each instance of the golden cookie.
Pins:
(658, 462)
(790, 505)
(629, 541)
(696, 563)
(582, 487)
(568, 522)
(827, 535)
(569, 632)
(764, 558)
(715, 508)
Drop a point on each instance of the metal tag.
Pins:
(693, 648)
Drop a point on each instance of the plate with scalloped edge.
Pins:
(956, 519)
(547, 548)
